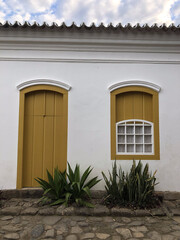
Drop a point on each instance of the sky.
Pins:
(88, 11)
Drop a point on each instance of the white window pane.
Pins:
(147, 129)
(121, 129)
(121, 139)
(147, 139)
(139, 139)
(121, 148)
(130, 148)
(139, 148)
(130, 129)
(148, 148)
(139, 129)
(130, 139)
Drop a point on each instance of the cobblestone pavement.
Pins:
(27, 219)
(79, 227)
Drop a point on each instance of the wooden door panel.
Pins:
(59, 144)
(50, 102)
(29, 104)
(147, 107)
(58, 104)
(138, 105)
(38, 135)
(48, 145)
(39, 103)
(28, 150)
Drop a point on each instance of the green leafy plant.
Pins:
(68, 187)
(135, 188)
(79, 187)
(55, 188)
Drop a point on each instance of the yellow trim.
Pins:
(155, 104)
(21, 123)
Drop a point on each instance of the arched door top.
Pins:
(134, 83)
(43, 82)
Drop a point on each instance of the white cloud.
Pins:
(32, 6)
(2, 17)
(124, 11)
(176, 12)
(88, 11)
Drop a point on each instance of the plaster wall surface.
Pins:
(89, 105)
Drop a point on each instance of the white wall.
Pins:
(89, 107)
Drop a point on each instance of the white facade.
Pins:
(90, 61)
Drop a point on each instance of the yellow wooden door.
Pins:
(44, 141)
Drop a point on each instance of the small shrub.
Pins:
(135, 188)
(68, 187)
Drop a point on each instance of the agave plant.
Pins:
(68, 187)
(55, 188)
(135, 188)
(79, 186)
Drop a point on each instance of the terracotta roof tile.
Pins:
(93, 26)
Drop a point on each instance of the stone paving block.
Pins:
(136, 223)
(83, 224)
(69, 211)
(95, 219)
(87, 236)
(76, 229)
(157, 212)
(116, 238)
(139, 229)
(11, 236)
(125, 219)
(51, 220)
(176, 233)
(142, 213)
(167, 237)
(171, 195)
(61, 228)
(71, 237)
(154, 235)
(176, 211)
(29, 211)
(100, 210)
(5, 218)
(47, 211)
(176, 227)
(10, 211)
(108, 219)
(11, 228)
(37, 231)
(50, 233)
(124, 232)
(84, 211)
(102, 235)
(177, 219)
(169, 204)
(115, 211)
(138, 235)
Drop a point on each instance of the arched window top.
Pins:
(43, 82)
(134, 83)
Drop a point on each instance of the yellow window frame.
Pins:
(155, 105)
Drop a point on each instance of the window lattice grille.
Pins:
(134, 137)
